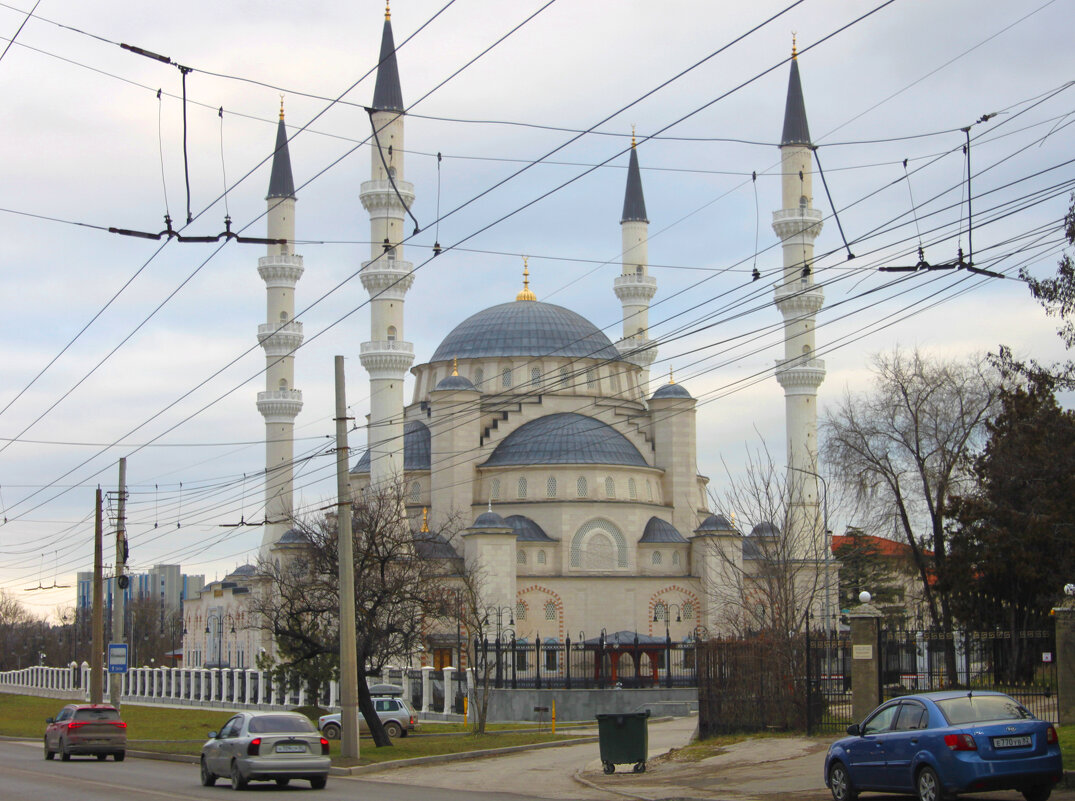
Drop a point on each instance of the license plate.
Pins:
(1011, 742)
(285, 748)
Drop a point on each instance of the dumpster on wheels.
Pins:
(624, 738)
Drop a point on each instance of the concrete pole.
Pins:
(118, 601)
(98, 621)
(348, 644)
(865, 659)
(1064, 614)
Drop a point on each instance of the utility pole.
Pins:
(348, 644)
(97, 648)
(119, 584)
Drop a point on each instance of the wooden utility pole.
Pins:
(348, 644)
(97, 648)
(115, 680)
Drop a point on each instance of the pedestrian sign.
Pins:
(117, 657)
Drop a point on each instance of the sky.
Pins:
(113, 346)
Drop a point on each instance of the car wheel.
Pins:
(119, 756)
(64, 753)
(208, 778)
(331, 731)
(929, 786)
(283, 782)
(237, 780)
(48, 754)
(1039, 792)
(393, 730)
(840, 783)
(101, 757)
(318, 782)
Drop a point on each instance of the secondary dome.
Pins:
(566, 438)
(526, 328)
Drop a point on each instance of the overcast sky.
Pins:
(174, 360)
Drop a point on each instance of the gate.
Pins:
(829, 666)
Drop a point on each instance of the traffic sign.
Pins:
(117, 657)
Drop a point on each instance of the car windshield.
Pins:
(981, 708)
(94, 715)
(275, 724)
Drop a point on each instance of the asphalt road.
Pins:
(26, 776)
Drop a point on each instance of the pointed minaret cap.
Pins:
(796, 131)
(387, 96)
(281, 184)
(634, 204)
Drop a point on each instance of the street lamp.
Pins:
(220, 620)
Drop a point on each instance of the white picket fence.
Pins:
(234, 688)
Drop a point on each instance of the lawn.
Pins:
(183, 731)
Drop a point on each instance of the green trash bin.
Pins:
(624, 739)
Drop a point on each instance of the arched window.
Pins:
(550, 487)
(520, 611)
(638, 269)
(494, 491)
(283, 385)
(675, 559)
(520, 556)
(688, 611)
(535, 376)
(391, 333)
(541, 557)
(505, 378)
(615, 379)
(660, 611)
(565, 376)
(591, 378)
(610, 487)
(522, 487)
(599, 545)
(632, 489)
(656, 557)
(283, 316)
(550, 610)
(580, 487)
(416, 492)
(479, 377)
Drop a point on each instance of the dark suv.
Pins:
(86, 729)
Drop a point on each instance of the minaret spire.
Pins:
(634, 287)
(386, 276)
(280, 336)
(800, 374)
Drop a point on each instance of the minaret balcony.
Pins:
(387, 279)
(280, 339)
(280, 405)
(633, 288)
(638, 351)
(800, 376)
(280, 270)
(805, 222)
(797, 299)
(380, 199)
(386, 358)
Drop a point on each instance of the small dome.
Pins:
(765, 529)
(526, 530)
(716, 523)
(243, 571)
(415, 449)
(292, 536)
(433, 546)
(658, 530)
(489, 520)
(456, 382)
(671, 390)
(566, 438)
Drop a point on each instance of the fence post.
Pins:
(449, 696)
(427, 688)
(1064, 614)
(865, 659)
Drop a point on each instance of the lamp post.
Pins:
(825, 524)
(220, 618)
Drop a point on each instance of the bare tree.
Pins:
(904, 449)
(466, 599)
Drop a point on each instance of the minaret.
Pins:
(635, 287)
(797, 297)
(386, 276)
(280, 336)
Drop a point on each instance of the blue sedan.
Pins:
(935, 745)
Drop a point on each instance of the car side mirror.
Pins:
(854, 730)
(50, 720)
(213, 735)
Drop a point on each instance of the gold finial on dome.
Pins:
(526, 294)
(671, 378)
(455, 366)
(281, 105)
(633, 142)
(794, 49)
(387, 10)
(425, 520)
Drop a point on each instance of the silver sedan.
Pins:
(266, 746)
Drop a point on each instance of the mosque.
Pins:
(532, 447)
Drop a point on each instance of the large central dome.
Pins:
(525, 328)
